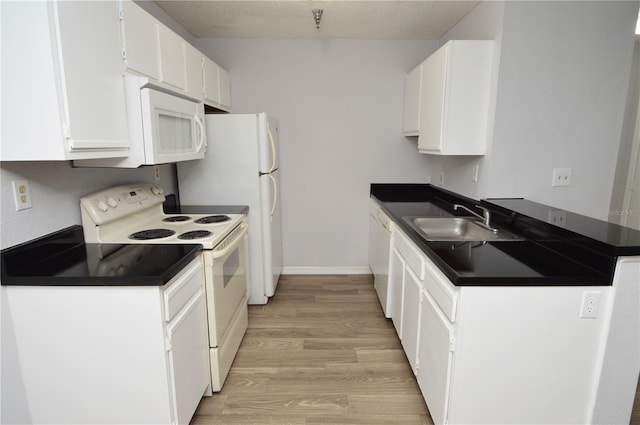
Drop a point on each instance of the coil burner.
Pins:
(195, 234)
(213, 219)
(152, 234)
(177, 219)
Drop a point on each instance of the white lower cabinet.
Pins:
(396, 283)
(435, 354)
(108, 354)
(410, 316)
(496, 354)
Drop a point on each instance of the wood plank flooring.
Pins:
(320, 352)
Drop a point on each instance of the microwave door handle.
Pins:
(201, 138)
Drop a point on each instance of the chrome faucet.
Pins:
(485, 217)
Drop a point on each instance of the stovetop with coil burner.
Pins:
(134, 214)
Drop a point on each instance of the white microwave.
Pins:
(172, 126)
(163, 128)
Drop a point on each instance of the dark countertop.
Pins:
(63, 259)
(550, 255)
(603, 236)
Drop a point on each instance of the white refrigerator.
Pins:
(241, 168)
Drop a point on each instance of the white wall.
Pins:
(339, 108)
(561, 92)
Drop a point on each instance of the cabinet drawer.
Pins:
(441, 290)
(410, 253)
(181, 288)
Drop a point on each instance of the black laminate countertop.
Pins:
(549, 255)
(63, 259)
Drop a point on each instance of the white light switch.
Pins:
(561, 177)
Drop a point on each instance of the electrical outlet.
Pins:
(441, 179)
(21, 194)
(156, 173)
(561, 177)
(557, 218)
(475, 172)
(590, 304)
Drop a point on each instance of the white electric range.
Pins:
(133, 214)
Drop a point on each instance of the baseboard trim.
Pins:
(326, 270)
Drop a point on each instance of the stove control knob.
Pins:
(102, 206)
(112, 202)
(156, 190)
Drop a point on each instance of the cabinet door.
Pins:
(64, 60)
(172, 61)
(435, 355)
(396, 283)
(211, 87)
(412, 89)
(92, 70)
(193, 66)
(188, 357)
(224, 85)
(140, 40)
(410, 316)
(434, 72)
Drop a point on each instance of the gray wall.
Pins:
(626, 143)
(339, 108)
(562, 87)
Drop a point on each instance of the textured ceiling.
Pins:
(356, 19)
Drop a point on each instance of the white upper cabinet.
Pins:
(211, 87)
(172, 58)
(412, 90)
(217, 85)
(62, 87)
(453, 101)
(140, 41)
(224, 81)
(193, 71)
(151, 49)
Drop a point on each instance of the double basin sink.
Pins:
(455, 229)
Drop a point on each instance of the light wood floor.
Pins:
(321, 352)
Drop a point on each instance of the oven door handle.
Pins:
(230, 244)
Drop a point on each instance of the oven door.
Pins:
(172, 126)
(226, 282)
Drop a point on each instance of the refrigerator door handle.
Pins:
(275, 196)
(273, 150)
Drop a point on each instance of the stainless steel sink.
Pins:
(453, 229)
